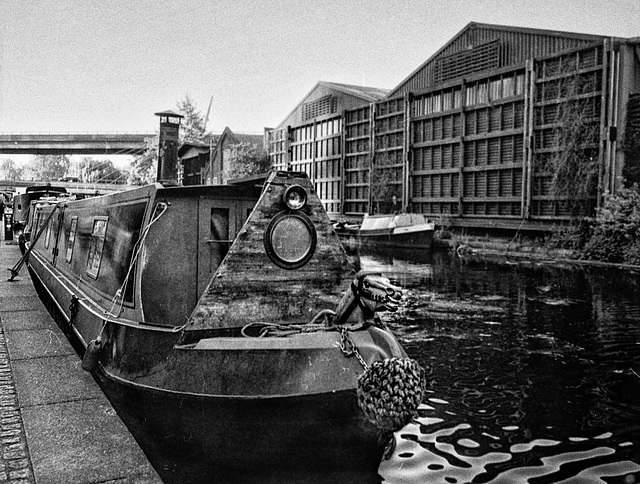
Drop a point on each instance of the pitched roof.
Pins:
(367, 93)
(578, 37)
(254, 139)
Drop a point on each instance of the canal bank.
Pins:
(56, 425)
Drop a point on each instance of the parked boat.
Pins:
(227, 326)
(22, 206)
(408, 230)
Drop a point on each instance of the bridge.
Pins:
(74, 143)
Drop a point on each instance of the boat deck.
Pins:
(56, 424)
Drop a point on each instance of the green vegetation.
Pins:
(247, 160)
(613, 235)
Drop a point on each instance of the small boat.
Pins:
(227, 327)
(409, 230)
(22, 206)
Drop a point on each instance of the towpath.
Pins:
(56, 425)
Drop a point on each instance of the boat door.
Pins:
(219, 223)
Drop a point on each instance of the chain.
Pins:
(348, 347)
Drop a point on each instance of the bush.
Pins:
(571, 237)
(616, 231)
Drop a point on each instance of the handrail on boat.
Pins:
(15, 270)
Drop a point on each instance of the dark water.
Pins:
(534, 371)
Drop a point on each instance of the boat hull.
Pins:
(196, 438)
(191, 437)
(399, 230)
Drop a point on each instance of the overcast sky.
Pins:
(107, 66)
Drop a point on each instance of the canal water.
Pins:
(533, 370)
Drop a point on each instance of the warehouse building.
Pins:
(502, 127)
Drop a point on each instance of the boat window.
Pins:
(97, 244)
(290, 240)
(47, 237)
(72, 238)
(220, 233)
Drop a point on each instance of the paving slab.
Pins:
(56, 425)
(37, 343)
(36, 318)
(46, 381)
(80, 442)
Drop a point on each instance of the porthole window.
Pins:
(290, 240)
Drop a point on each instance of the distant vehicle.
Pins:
(72, 179)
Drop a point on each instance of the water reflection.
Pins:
(533, 371)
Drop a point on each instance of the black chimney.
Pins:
(168, 148)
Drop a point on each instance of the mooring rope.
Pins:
(92, 352)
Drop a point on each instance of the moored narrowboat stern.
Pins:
(222, 320)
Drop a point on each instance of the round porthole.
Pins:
(290, 240)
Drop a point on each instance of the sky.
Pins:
(107, 66)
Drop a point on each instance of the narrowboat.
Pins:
(228, 327)
(22, 206)
(408, 230)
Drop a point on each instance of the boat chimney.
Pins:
(168, 148)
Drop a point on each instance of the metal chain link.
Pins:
(348, 347)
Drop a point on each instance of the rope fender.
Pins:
(390, 391)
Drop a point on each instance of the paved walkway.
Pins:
(56, 425)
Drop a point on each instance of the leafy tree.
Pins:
(101, 171)
(572, 169)
(246, 160)
(9, 170)
(615, 233)
(144, 167)
(49, 167)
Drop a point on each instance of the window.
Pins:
(72, 238)
(47, 237)
(97, 245)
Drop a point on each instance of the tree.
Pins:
(101, 171)
(246, 160)
(192, 127)
(144, 167)
(572, 167)
(9, 170)
(49, 167)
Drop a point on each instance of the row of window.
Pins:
(479, 92)
(324, 148)
(96, 246)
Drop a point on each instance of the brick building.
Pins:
(205, 163)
